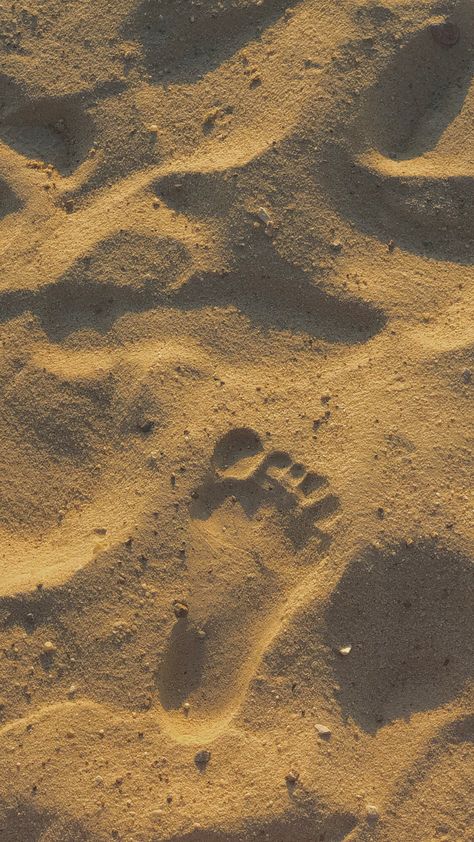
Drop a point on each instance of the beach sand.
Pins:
(236, 428)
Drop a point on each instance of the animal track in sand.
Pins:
(258, 522)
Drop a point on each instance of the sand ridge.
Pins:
(236, 374)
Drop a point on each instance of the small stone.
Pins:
(372, 813)
(467, 375)
(69, 206)
(345, 650)
(186, 707)
(264, 216)
(156, 815)
(181, 609)
(49, 648)
(72, 691)
(323, 731)
(292, 777)
(146, 426)
(153, 128)
(202, 757)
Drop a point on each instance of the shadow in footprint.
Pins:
(23, 823)
(182, 42)
(124, 273)
(236, 451)
(408, 617)
(131, 273)
(277, 296)
(55, 131)
(293, 826)
(180, 671)
(9, 201)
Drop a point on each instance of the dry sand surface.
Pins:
(236, 427)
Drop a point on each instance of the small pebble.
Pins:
(146, 426)
(181, 609)
(345, 650)
(372, 813)
(48, 647)
(202, 757)
(323, 731)
(292, 777)
(264, 216)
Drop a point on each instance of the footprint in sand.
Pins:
(263, 484)
(258, 521)
(415, 166)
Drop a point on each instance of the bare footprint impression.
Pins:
(258, 521)
(411, 176)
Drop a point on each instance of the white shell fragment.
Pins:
(264, 216)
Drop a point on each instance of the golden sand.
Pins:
(237, 328)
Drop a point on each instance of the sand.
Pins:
(237, 330)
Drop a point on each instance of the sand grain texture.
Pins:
(237, 330)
